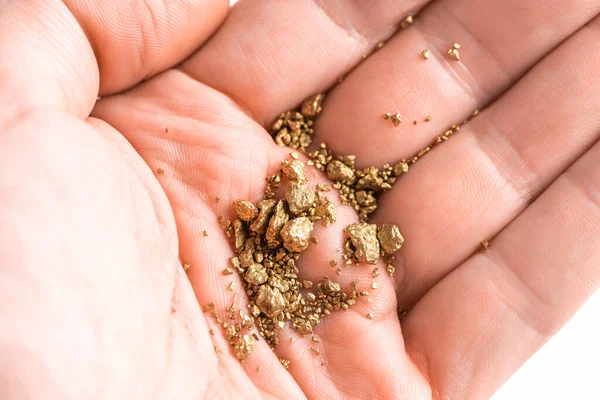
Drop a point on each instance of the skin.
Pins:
(94, 302)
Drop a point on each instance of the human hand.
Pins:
(94, 300)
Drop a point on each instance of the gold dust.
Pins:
(167, 130)
(391, 270)
(294, 155)
(258, 368)
(380, 45)
(370, 315)
(160, 171)
(428, 118)
(212, 332)
(338, 271)
(396, 119)
(315, 351)
(374, 285)
(204, 233)
(454, 54)
(484, 245)
(231, 286)
(316, 339)
(186, 267)
(217, 199)
(285, 363)
(456, 45)
(375, 272)
(333, 263)
(406, 22)
(426, 54)
(314, 240)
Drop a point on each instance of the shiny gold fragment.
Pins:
(326, 211)
(312, 106)
(245, 210)
(299, 198)
(243, 346)
(259, 225)
(256, 274)
(390, 238)
(270, 301)
(338, 171)
(277, 221)
(294, 171)
(296, 234)
(364, 240)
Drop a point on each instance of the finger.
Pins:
(500, 40)
(483, 177)
(499, 307)
(135, 40)
(203, 157)
(47, 60)
(270, 55)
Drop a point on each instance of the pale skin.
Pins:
(94, 299)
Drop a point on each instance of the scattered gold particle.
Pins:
(475, 113)
(315, 351)
(186, 267)
(454, 54)
(217, 350)
(217, 199)
(316, 339)
(374, 285)
(285, 363)
(369, 300)
(231, 286)
(428, 118)
(294, 155)
(167, 130)
(396, 119)
(228, 271)
(173, 309)
(212, 332)
(160, 171)
(333, 263)
(370, 315)
(208, 307)
(258, 368)
(375, 272)
(426, 54)
(295, 128)
(243, 346)
(313, 105)
(307, 284)
(406, 22)
(485, 244)
(314, 240)
(338, 271)
(204, 233)
(391, 270)
(456, 45)
(380, 45)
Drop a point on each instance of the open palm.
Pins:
(99, 212)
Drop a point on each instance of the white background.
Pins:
(567, 367)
